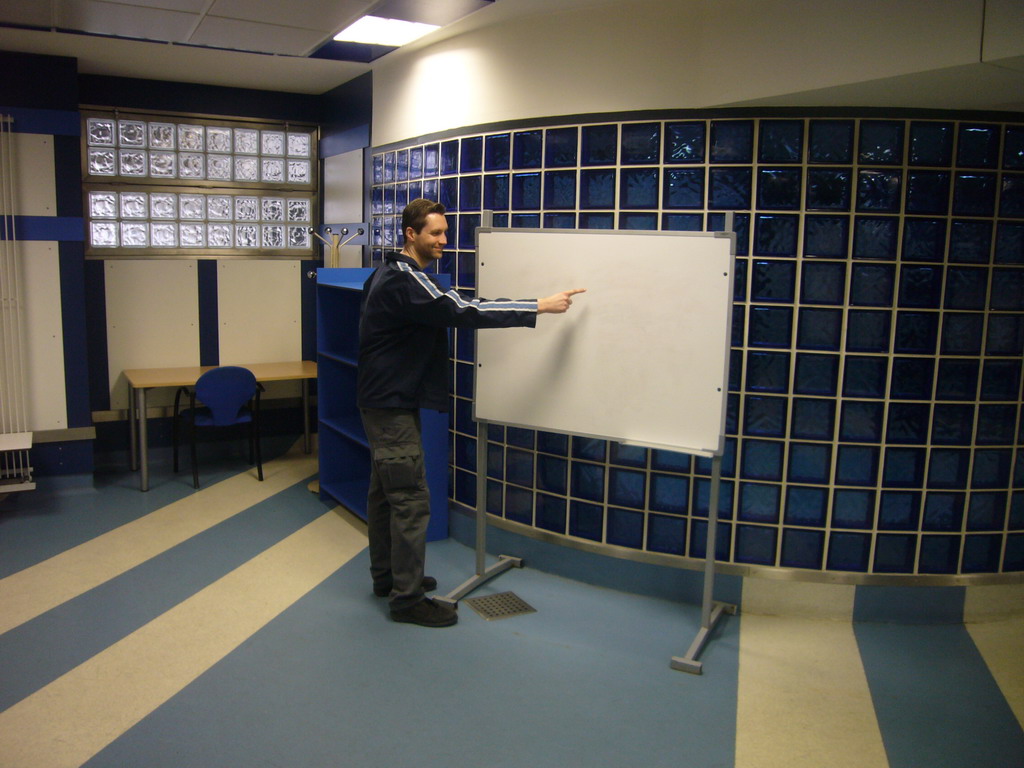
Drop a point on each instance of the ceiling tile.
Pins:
(250, 36)
(126, 21)
(326, 15)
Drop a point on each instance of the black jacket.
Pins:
(403, 336)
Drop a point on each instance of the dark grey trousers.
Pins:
(398, 503)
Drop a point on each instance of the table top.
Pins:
(144, 378)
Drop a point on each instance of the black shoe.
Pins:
(429, 585)
(426, 613)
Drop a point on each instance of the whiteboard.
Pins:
(640, 358)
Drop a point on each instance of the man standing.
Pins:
(403, 366)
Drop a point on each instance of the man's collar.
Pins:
(399, 256)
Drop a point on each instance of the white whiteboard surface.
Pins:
(640, 358)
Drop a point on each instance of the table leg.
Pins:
(143, 442)
(305, 415)
(133, 435)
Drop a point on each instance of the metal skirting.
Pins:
(500, 606)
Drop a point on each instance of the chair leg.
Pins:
(195, 463)
(256, 441)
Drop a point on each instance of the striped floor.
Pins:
(235, 626)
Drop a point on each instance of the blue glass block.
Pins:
(1011, 199)
(638, 188)
(867, 331)
(848, 551)
(589, 448)
(525, 191)
(1005, 335)
(518, 504)
(684, 142)
(813, 419)
(948, 468)
(928, 192)
(551, 442)
(931, 143)
(1007, 290)
(781, 141)
(587, 481)
(625, 528)
(377, 200)
(389, 199)
(527, 149)
(991, 468)
(826, 236)
(773, 281)
(871, 285)
(702, 498)
(732, 410)
(881, 142)
(778, 188)
(519, 467)
(401, 196)
(802, 549)
(699, 539)
(765, 416)
(924, 239)
(943, 511)
(912, 378)
(819, 329)
(939, 554)
(416, 162)
(730, 188)
(402, 165)
(467, 231)
(861, 422)
(738, 324)
(389, 167)
(641, 143)
(670, 461)
(470, 191)
(732, 141)
(957, 380)
(627, 455)
(560, 189)
(1013, 559)
(497, 151)
(864, 376)
(996, 424)
(831, 141)
(465, 346)
(916, 333)
(806, 506)
(762, 460)
(904, 468)
(669, 493)
(466, 275)
(415, 190)
(974, 194)
(597, 221)
(682, 222)
(551, 513)
(856, 465)
(449, 157)
(899, 510)
(378, 169)
(586, 520)
(560, 147)
(966, 288)
(768, 371)
(776, 235)
(756, 544)
(597, 188)
(879, 191)
(977, 146)
(970, 241)
(962, 333)
(520, 437)
(600, 145)
(829, 189)
(875, 238)
(431, 159)
(770, 327)
(1009, 243)
(1013, 147)
(496, 192)
(822, 282)
(464, 485)
(495, 499)
(894, 553)
(741, 227)
(952, 424)
(430, 189)
(987, 511)
(684, 188)
(981, 553)
(627, 488)
(810, 463)
(853, 508)
(560, 221)
(735, 370)
(639, 221)
(1016, 520)
(471, 155)
(908, 424)
(464, 380)
(666, 534)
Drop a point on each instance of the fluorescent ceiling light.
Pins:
(377, 31)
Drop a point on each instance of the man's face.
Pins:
(428, 244)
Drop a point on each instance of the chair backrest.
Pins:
(225, 391)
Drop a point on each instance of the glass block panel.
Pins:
(599, 144)
(907, 424)
(684, 142)
(974, 194)
(770, 327)
(496, 192)
(684, 188)
(597, 221)
(1009, 243)
(939, 554)
(879, 191)
(961, 333)
(560, 189)
(163, 234)
(551, 513)
(194, 236)
(102, 132)
(912, 378)
(848, 551)
(449, 158)
(641, 143)
(597, 188)
(518, 504)
(730, 188)
(904, 467)
(778, 188)
(856, 465)
(871, 285)
(810, 463)
(881, 142)
(666, 534)
(864, 376)
(775, 235)
(1011, 200)
(560, 221)
(163, 205)
(829, 189)
(819, 329)
(431, 159)
(627, 455)
(924, 239)
(764, 416)
(996, 424)
(638, 221)
(560, 149)
(977, 146)
(822, 282)
(966, 288)
(669, 493)
(587, 481)
(272, 236)
(767, 371)
(247, 236)
(802, 549)
(526, 220)
(986, 511)
(448, 194)
(527, 149)
(928, 192)
(931, 143)
(246, 168)
(670, 461)
(732, 141)
(943, 511)
(875, 237)
(271, 143)
(471, 154)
(971, 241)
(981, 553)
(762, 459)
(952, 424)
(813, 419)
(781, 141)
(1001, 380)
(899, 510)
(957, 380)
(627, 488)
(134, 234)
(1005, 335)
(698, 539)
(525, 191)
(192, 138)
(164, 165)
(894, 553)
(247, 142)
(1013, 147)
(161, 135)
(853, 508)
(638, 188)
(831, 141)
(741, 226)
(135, 204)
(134, 162)
(467, 235)
(947, 468)
(772, 281)
(826, 236)
(756, 544)
(916, 333)
(867, 330)
(586, 520)
(806, 506)
(1007, 290)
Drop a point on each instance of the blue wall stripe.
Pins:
(49, 228)
(936, 700)
(909, 605)
(209, 319)
(96, 321)
(73, 315)
(56, 122)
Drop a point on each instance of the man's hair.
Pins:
(416, 212)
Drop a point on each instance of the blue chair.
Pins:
(229, 395)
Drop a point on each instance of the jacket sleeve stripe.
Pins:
(499, 305)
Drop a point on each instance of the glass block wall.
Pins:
(874, 414)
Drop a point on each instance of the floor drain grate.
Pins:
(500, 606)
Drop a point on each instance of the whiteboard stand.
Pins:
(711, 611)
(483, 574)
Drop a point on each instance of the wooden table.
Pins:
(140, 380)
